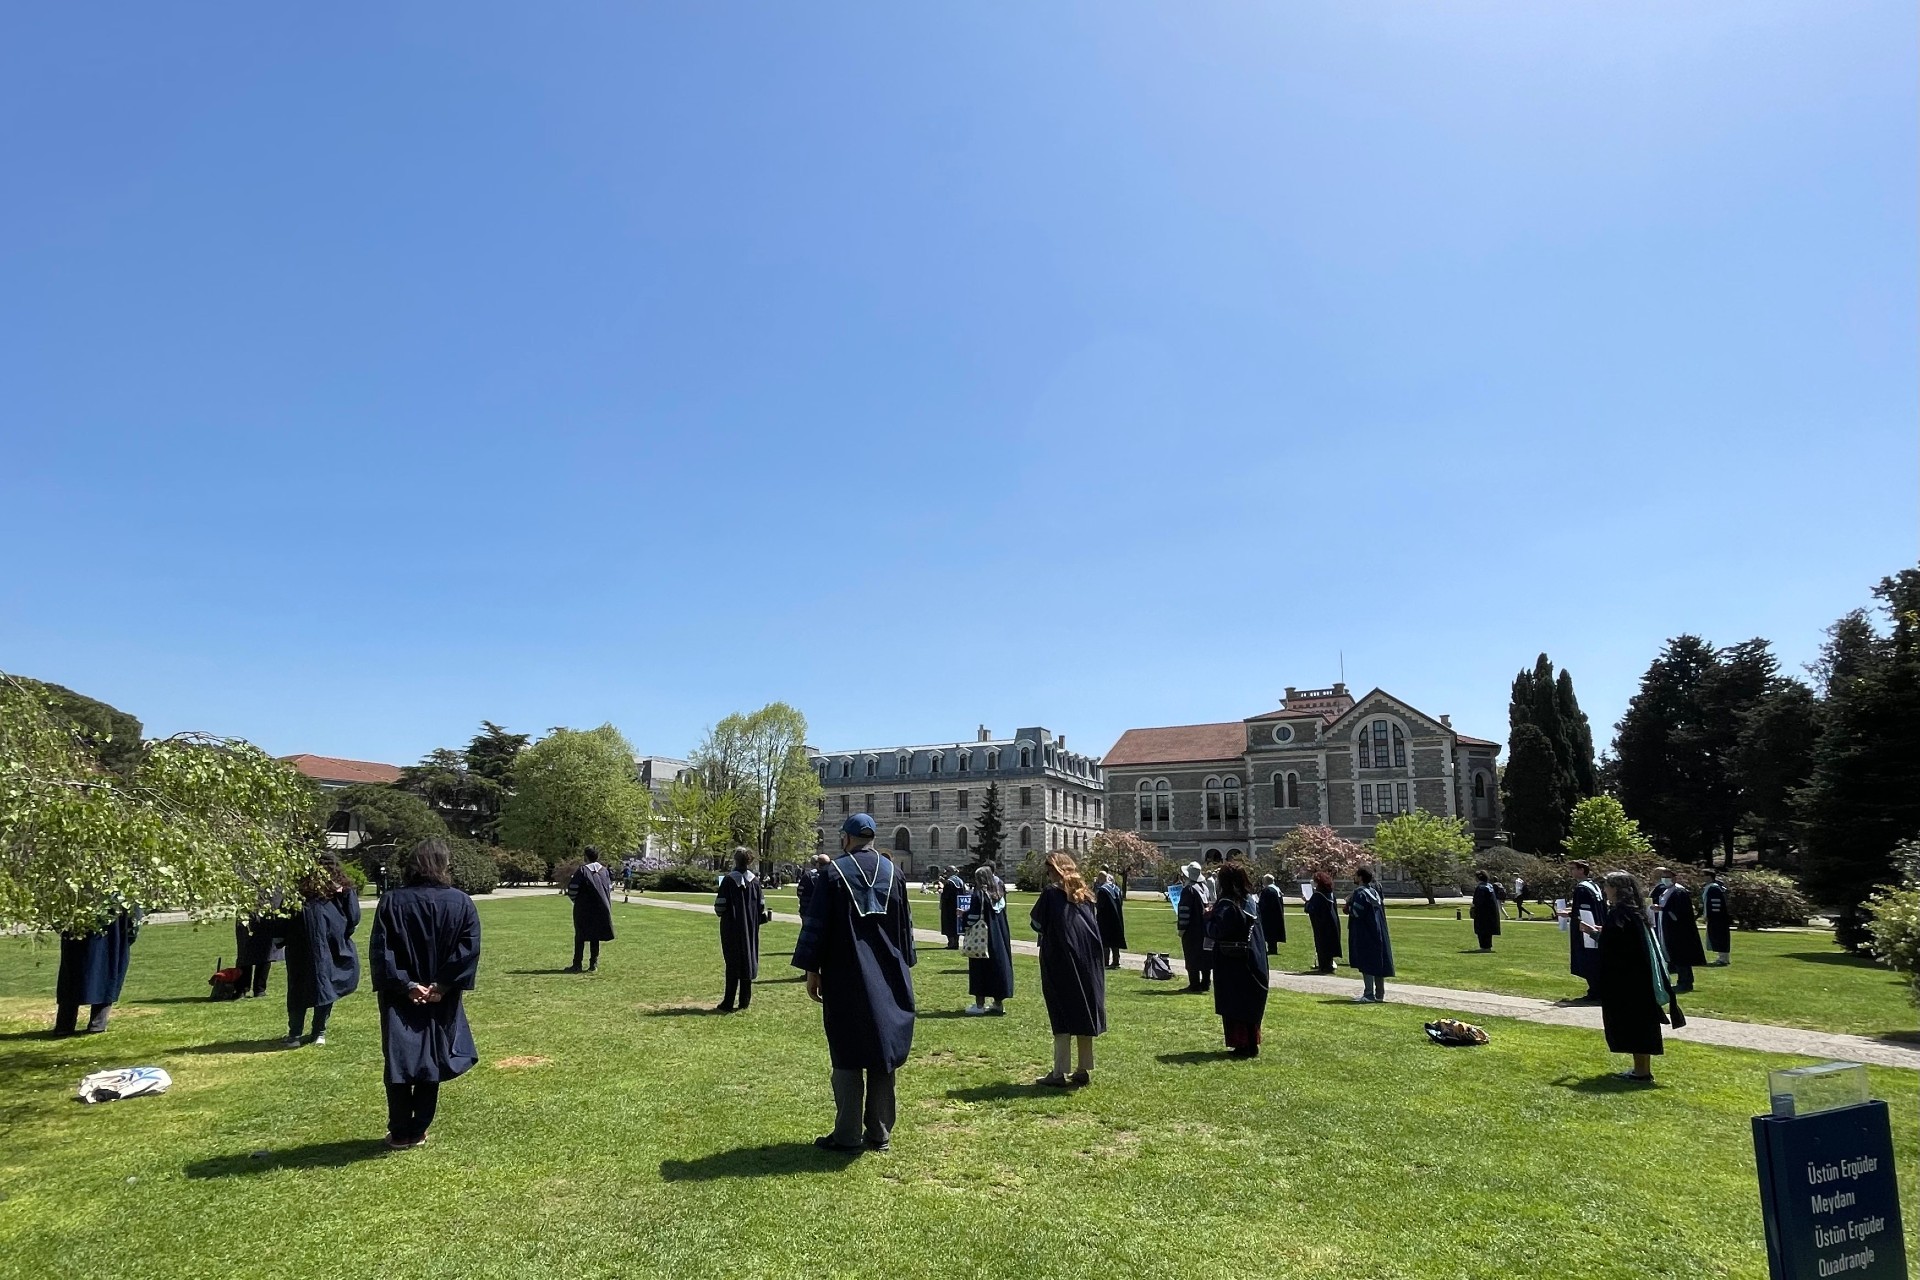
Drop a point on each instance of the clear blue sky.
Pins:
(369, 370)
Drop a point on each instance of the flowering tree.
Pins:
(1309, 849)
(1124, 854)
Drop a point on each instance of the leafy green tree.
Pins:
(1604, 836)
(697, 822)
(468, 802)
(1428, 847)
(1774, 758)
(989, 833)
(575, 788)
(389, 816)
(1666, 776)
(492, 752)
(111, 735)
(762, 756)
(1530, 799)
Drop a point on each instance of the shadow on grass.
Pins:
(1899, 1037)
(1189, 1057)
(317, 1155)
(536, 973)
(1003, 1092)
(940, 1014)
(776, 1160)
(1609, 1083)
(775, 982)
(186, 1000)
(686, 1011)
(276, 1044)
(1172, 991)
(45, 1033)
(1840, 958)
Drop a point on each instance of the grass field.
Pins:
(615, 1129)
(1791, 979)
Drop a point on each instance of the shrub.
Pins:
(1893, 930)
(680, 880)
(517, 866)
(373, 858)
(473, 869)
(563, 870)
(355, 876)
(1032, 875)
(1763, 899)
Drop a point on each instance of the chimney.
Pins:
(1062, 740)
(1447, 721)
(984, 735)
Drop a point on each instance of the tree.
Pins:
(1665, 774)
(492, 753)
(762, 756)
(110, 735)
(466, 801)
(987, 833)
(1558, 771)
(388, 815)
(1602, 834)
(575, 788)
(1529, 794)
(1309, 849)
(1428, 847)
(1125, 854)
(695, 821)
(1774, 757)
(190, 822)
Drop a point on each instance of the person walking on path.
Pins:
(1240, 962)
(1191, 917)
(1520, 898)
(1273, 914)
(1632, 979)
(425, 952)
(951, 887)
(1716, 905)
(1110, 904)
(1323, 913)
(1587, 907)
(856, 948)
(741, 905)
(1485, 910)
(989, 978)
(1369, 947)
(1073, 973)
(592, 892)
(1676, 924)
(93, 969)
(322, 965)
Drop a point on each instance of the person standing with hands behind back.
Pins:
(741, 905)
(592, 892)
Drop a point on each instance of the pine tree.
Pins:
(987, 835)
(1662, 773)
(1545, 790)
(1579, 738)
(1535, 821)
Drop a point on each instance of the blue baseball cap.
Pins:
(859, 824)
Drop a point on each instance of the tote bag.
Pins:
(977, 944)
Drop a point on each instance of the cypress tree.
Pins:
(987, 835)
(1545, 792)
(1536, 823)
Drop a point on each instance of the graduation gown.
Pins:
(1369, 947)
(1714, 901)
(1679, 934)
(1073, 963)
(1273, 913)
(1110, 907)
(992, 978)
(322, 964)
(1324, 916)
(1486, 911)
(1584, 962)
(592, 892)
(1240, 961)
(1632, 988)
(425, 933)
(93, 966)
(859, 938)
(1192, 919)
(255, 939)
(741, 905)
(804, 886)
(950, 889)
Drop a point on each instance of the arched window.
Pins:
(1293, 791)
(960, 839)
(1231, 793)
(1399, 748)
(846, 768)
(902, 840)
(1026, 757)
(993, 760)
(1481, 806)
(966, 761)
(933, 763)
(1212, 791)
(1026, 837)
(933, 840)
(1053, 837)
(873, 766)
(903, 763)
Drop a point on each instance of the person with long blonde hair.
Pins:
(1073, 969)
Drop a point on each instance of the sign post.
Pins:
(1828, 1195)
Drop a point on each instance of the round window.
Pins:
(1283, 733)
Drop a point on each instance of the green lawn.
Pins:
(1788, 979)
(613, 1129)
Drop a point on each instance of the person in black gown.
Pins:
(257, 944)
(1369, 944)
(322, 965)
(592, 892)
(1485, 910)
(809, 880)
(1676, 925)
(1587, 905)
(856, 949)
(1191, 917)
(93, 969)
(1273, 914)
(425, 952)
(1110, 904)
(1632, 978)
(989, 979)
(1717, 906)
(1323, 913)
(951, 887)
(741, 905)
(1073, 972)
(1240, 975)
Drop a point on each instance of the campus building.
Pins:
(1211, 791)
(332, 773)
(926, 799)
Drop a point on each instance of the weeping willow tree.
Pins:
(191, 822)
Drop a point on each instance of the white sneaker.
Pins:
(293, 1042)
(321, 1038)
(974, 1010)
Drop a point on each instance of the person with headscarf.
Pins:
(592, 892)
(1587, 906)
(1485, 910)
(741, 905)
(1110, 906)
(1273, 914)
(1717, 906)
(1677, 927)
(1191, 917)
(951, 887)
(1636, 999)
(1073, 974)
(1240, 961)
(1323, 913)
(322, 965)
(93, 969)
(1369, 946)
(989, 979)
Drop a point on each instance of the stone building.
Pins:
(1211, 791)
(926, 799)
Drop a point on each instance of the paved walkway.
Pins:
(1488, 1004)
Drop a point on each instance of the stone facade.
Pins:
(925, 799)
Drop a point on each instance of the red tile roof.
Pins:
(1284, 714)
(1474, 742)
(1179, 744)
(334, 769)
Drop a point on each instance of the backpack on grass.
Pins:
(226, 984)
(1158, 967)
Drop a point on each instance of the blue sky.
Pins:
(369, 370)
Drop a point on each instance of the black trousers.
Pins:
(739, 992)
(580, 946)
(257, 976)
(1486, 942)
(1113, 957)
(297, 1019)
(1683, 976)
(67, 1016)
(410, 1109)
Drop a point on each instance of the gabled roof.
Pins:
(1475, 742)
(1284, 714)
(334, 769)
(1179, 744)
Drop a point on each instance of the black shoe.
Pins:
(1080, 1079)
(723, 1008)
(572, 968)
(826, 1143)
(877, 1144)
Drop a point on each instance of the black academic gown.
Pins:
(254, 938)
(1679, 933)
(1192, 919)
(1273, 914)
(992, 978)
(1073, 964)
(1485, 912)
(425, 933)
(1369, 946)
(93, 966)
(592, 892)
(1240, 961)
(741, 905)
(1584, 962)
(1110, 907)
(1715, 903)
(865, 965)
(322, 964)
(804, 886)
(1324, 915)
(950, 888)
(1631, 988)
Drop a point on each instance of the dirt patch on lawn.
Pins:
(521, 1063)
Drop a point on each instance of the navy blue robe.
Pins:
(1584, 962)
(1714, 901)
(425, 933)
(1111, 906)
(1631, 986)
(803, 887)
(93, 966)
(1073, 964)
(1324, 915)
(1191, 916)
(865, 964)
(992, 978)
(950, 890)
(1239, 961)
(322, 964)
(256, 939)
(1273, 913)
(741, 905)
(1486, 911)
(1679, 934)
(592, 892)
(1369, 948)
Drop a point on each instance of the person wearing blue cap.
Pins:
(856, 948)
